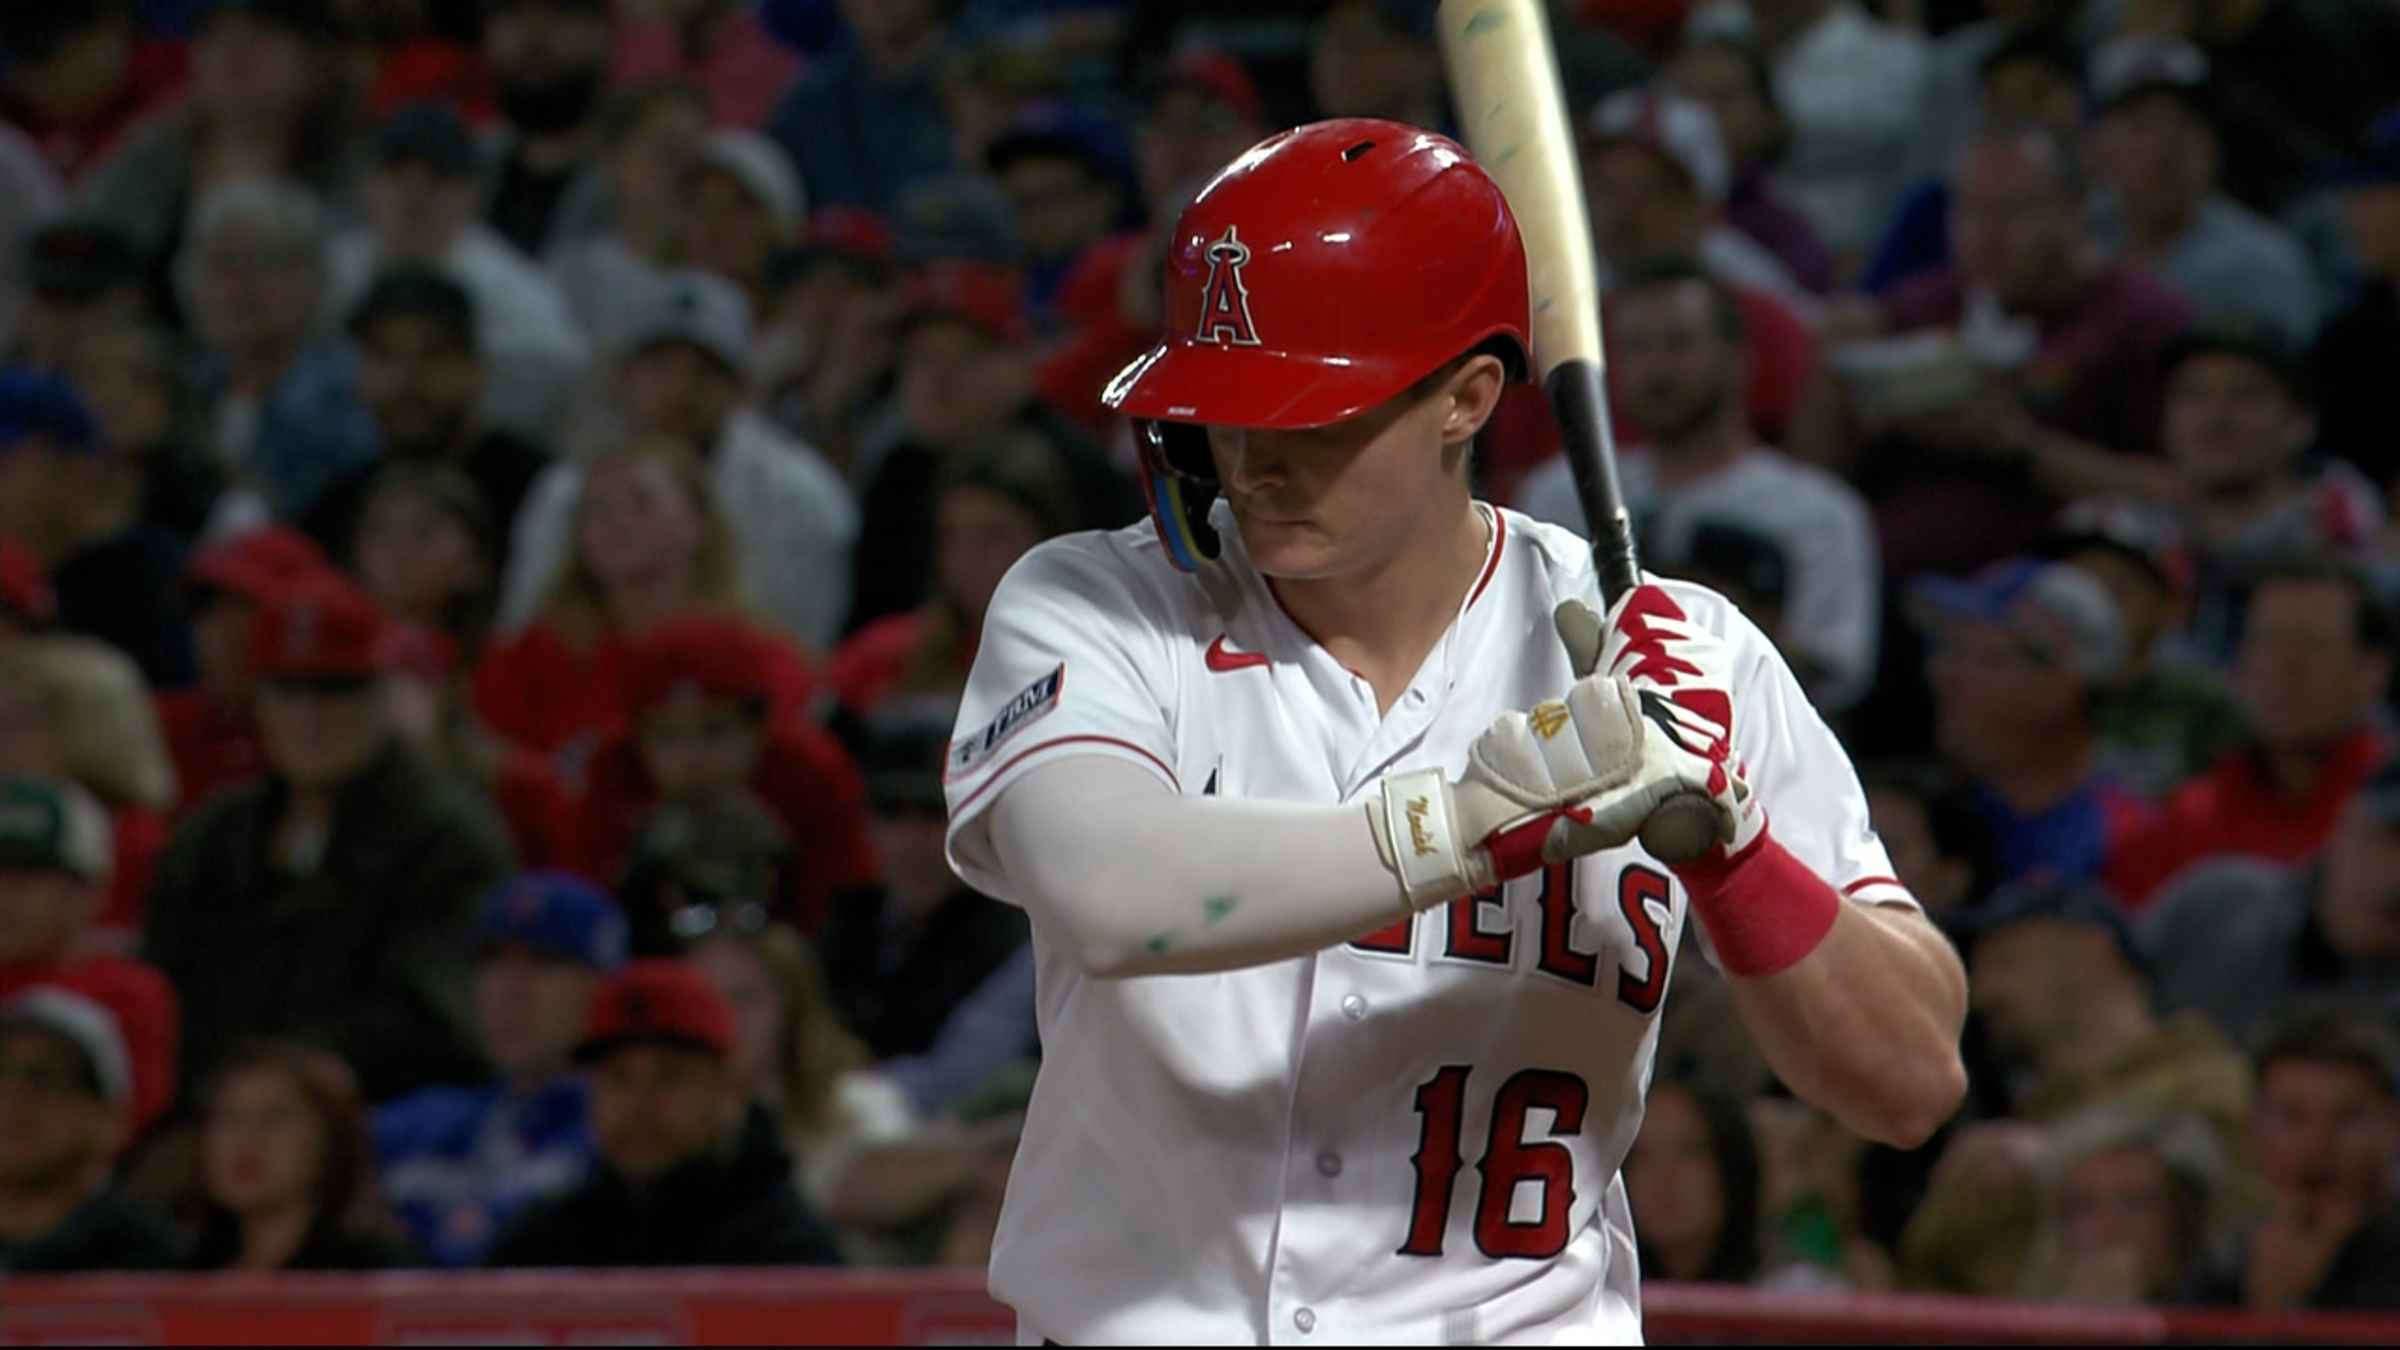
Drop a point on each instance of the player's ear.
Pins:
(1473, 391)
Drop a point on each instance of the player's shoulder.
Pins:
(1122, 574)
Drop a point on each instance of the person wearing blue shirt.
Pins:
(459, 1163)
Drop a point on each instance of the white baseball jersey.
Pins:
(1413, 1137)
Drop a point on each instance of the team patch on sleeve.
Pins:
(1036, 701)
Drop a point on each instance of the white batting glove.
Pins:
(1524, 800)
(1681, 677)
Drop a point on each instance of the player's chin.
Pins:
(1290, 548)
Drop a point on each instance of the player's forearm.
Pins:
(1866, 1026)
(1133, 879)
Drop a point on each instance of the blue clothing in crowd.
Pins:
(459, 1163)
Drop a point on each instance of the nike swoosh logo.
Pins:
(1224, 660)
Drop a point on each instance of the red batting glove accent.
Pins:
(1763, 908)
(1517, 850)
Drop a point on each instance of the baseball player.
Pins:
(1322, 792)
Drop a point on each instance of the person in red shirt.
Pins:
(650, 546)
(54, 866)
(210, 734)
(431, 708)
(699, 700)
(2313, 661)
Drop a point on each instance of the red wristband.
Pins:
(1763, 908)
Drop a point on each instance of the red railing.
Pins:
(950, 1308)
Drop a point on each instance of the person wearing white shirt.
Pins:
(1676, 367)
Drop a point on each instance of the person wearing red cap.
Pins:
(210, 731)
(690, 1172)
(334, 897)
(699, 695)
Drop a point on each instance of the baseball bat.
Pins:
(1506, 85)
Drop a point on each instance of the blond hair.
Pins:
(814, 1049)
(100, 715)
(578, 605)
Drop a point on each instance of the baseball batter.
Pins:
(1322, 789)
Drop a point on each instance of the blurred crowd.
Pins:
(498, 500)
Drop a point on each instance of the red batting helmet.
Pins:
(1323, 272)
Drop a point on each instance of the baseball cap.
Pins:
(989, 298)
(760, 166)
(428, 133)
(1682, 130)
(2142, 531)
(1214, 74)
(75, 259)
(2248, 339)
(83, 1022)
(2129, 67)
(693, 307)
(2061, 611)
(257, 563)
(50, 824)
(24, 586)
(558, 914)
(412, 290)
(1064, 129)
(724, 858)
(956, 216)
(706, 653)
(321, 627)
(37, 403)
(658, 1001)
(2044, 896)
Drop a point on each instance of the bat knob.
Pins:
(1683, 828)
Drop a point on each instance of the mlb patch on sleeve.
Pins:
(971, 752)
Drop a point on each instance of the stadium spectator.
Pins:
(1679, 354)
(64, 1088)
(2239, 939)
(1068, 175)
(285, 414)
(1377, 58)
(720, 45)
(991, 506)
(1655, 177)
(2018, 654)
(419, 203)
(904, 954)
(429, 699)
(2312, 662)
(688, 1174)
(27, 604)
(80, 276)
(648, 132)
(80, 76)
(2325, 1132)
(695, 862)
(131, 377)
(792, 518)
(424, 545)
(1694, 1174)
(332, 899)
(1934, 828)
(70, 498)
(211, 733)
(548, 61)
(2298, 79)
(458, 1163)
(2154, 155)
(287, 1168)
(742, 203)
(2354, 348)
(54, 865)
(74, 710)
(2061, 983)
(269, 99)
(826, 350)
(1731, 79)
(865, 124)
(651, 545)
(2031, 377)
(2133, 1202)
(700, 724)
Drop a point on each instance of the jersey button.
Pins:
(1329, 1164)
(1306, 1320)
(1354, 1007)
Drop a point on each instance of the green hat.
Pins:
(46, 824)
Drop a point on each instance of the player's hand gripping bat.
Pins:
(1505, 81)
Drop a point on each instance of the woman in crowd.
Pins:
(75, 708)
(426, 549)
(650, 546)
(288, 1168)
(1693, 1175)
(2133, 1202)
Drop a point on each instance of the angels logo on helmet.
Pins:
(1224, 297)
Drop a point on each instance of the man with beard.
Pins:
(1679, 359)
(549, 61)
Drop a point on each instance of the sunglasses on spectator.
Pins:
(707, 918)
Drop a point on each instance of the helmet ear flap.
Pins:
(1179, 484)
